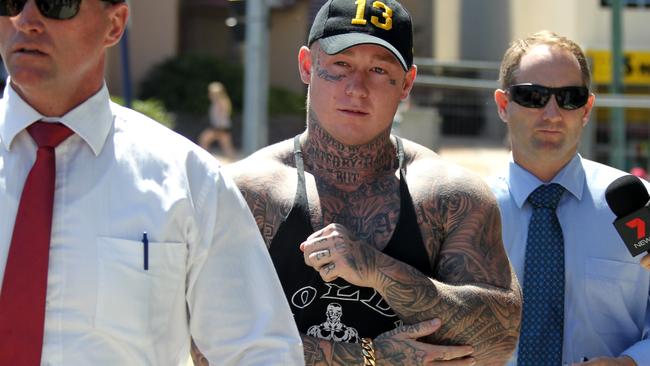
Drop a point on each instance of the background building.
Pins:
(451, 32)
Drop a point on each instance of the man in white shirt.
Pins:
(150, 244)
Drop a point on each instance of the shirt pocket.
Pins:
(613, 299)
(134, 304)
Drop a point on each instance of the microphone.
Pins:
(628, 198)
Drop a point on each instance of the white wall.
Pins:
(584, 21)
(446, 35)
(153, 37)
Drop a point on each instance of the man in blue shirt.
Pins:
(545, 101)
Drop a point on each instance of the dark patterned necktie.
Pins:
(542, 327)
(24, 288)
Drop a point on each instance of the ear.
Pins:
(501, 100)
(304, 64)
(409, 80)
(118, 15)
(587, 109)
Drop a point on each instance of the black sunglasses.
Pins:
(536, 96)
(53, 9)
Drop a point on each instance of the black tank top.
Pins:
(338, 310)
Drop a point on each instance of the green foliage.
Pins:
(283, 101)
(151, 108)
(181, 82)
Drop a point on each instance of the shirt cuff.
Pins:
(639, 352)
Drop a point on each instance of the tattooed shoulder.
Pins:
(458, 216)
(268, 186)
(474, 242)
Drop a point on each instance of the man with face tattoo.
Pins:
(405, 246)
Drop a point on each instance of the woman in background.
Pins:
(220, 123)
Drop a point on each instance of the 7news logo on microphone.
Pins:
(633, 230)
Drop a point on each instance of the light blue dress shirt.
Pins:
(606, 290)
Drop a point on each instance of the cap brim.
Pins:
(337, 43)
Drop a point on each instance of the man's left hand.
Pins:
(608, 361)
(334, 252)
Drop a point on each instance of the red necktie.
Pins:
(22, 300)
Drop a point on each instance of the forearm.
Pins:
(319, 352)
(399, 346)
(486, 317)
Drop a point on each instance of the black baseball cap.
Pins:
(341, 24)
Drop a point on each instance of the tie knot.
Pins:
(49, 134)
(546, 195)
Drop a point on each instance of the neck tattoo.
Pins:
(348, 165)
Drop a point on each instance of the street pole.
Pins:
(126, 69)
(127, 89)
(617, 123)
(256, 76)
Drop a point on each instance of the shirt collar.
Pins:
(91, 120)
(522, 182)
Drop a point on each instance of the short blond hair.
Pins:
(216, 88)
(518, 48)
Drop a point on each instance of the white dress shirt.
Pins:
(606, 310)
(209, 277)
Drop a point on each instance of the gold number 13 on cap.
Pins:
(387, 14)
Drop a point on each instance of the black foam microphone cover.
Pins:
(626, 195)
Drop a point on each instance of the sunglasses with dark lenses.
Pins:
(536, 96)
(53, 9)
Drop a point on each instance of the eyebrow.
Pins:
(386, 57)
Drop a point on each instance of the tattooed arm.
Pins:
(395, 347)
(474, 291)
